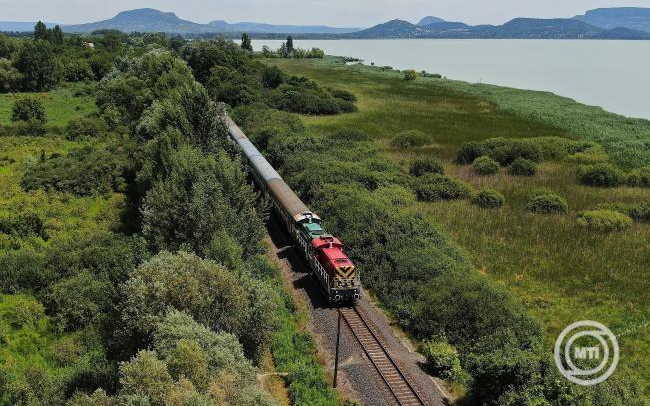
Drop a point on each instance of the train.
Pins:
(324, 253)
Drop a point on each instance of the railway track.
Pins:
(398, 384)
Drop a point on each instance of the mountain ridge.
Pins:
(603, 23)
(637, 18)
(518, 28)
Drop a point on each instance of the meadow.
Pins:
(560, 271)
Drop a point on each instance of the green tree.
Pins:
(28, 109)
(37, 62)
(57, 36)
(10, 78)
(290, 47)
(145, 375)
(203, 289)
(8, 46)
(246, 42)
(40, 32)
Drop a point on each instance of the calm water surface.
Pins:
(612, 74)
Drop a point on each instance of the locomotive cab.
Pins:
(340, 274)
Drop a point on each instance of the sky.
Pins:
(341, 13)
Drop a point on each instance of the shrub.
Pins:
(547, 203)
(421, 167)
(507, 150)
(523, 167)
(81, 129)
(78, 71)
(638, 211)
(439, 187)
(10, 78)
(398, 196)
(85, 172)
(78, 301)
(343, 95)
(604, 220)
(28, 109)
(488, 198)
(410, 75)
(485, 165)
(410, 138)
(442, 359)
(602, 175)
(639, 177)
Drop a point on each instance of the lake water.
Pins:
(612, 74)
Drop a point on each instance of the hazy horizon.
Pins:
(341, 13)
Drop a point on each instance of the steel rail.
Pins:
(403, 392)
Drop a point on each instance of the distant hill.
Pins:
(251, 27)
(635, 18)
(150, 20)
(430, 20)
(519, 28)
(142, 20)
(16, 26)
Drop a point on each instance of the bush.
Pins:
(547, 203)
(638, 211)
(343, 95)
(395, 195)
(434, 187)
(469, 151)
(507, 150)
(79, 300)
(28, 109)
(604, 220)
(442, 359)
(639, 177)
(410, 138)
(81, 129)
(85, 172)
(410, 75)
(602, 175)
(421, 167)
(485, 165)
(488, 198)
(78, 70)
(523, 167)
(10, 78)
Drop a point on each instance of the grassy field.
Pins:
(61, 104)
(28, 338)
(560, 271)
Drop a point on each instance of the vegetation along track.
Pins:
(405, 394)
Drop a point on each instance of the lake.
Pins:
(612, 74)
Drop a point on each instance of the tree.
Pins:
(10, 78)
(40, 32)
(28, 109)
(57, 36)
(145, 375)
(246, 42)
(8, 46)
(290, 48)
(37, 62)
(208, 292)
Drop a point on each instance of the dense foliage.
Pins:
(99, 310)
(547, 203)
(488, 199)
(604, 220)
(484, 165)
(231, 75)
